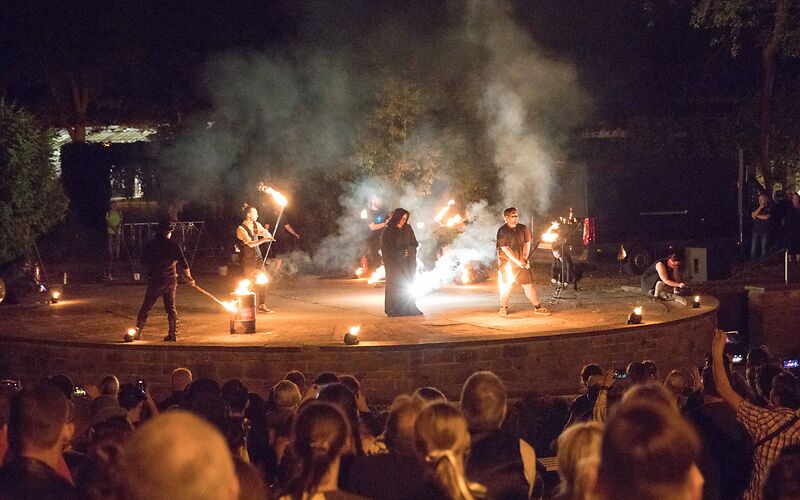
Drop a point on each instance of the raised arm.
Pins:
(724, 388)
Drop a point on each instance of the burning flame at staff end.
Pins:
(551, 234)
(279, 198)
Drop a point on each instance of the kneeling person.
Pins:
(662, 274)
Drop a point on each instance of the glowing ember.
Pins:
(637, 311)
(456, 219)
(551, 234)
(364, 214)
(262, 279)
(279, 198)
(230, 306)
(504, 283)
(443, 211)
(355, 329)
(243, 288)
(377, 276)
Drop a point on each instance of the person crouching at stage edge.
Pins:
(251, 235)
(661, 274)
(399, 249)
(514, 246)
(162, 257)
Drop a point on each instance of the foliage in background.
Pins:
(32, 200)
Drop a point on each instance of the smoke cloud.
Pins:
(294, 121)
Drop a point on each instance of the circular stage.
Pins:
(460, 333)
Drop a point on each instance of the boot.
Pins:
(171, 337)
(138, 334)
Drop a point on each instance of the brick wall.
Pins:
(774, 318)
(544, 364)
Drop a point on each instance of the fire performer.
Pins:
(376, 221)
(162, 256)
(251, 235)
(513, 248)
(399, 249)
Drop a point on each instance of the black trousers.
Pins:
(164, 288)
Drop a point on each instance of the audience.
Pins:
(38, 431)
(179, 456)
(396, 474)
(772, 429)
(320, 437)
(649, 452)
(179, 381)
(578, 451)
(503, 463)
(710, 436)
(442, 441)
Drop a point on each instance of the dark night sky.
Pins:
(146, 56)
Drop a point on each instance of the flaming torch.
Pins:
(452, 221)
(282, 202)
(551, 235)
(443, 211)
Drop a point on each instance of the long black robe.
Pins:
(399, 249)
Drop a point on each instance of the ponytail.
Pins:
(447, 475)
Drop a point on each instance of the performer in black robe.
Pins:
(399, 250)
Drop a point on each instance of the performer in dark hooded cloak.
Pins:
(399, 250)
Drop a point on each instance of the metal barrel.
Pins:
(244, 319)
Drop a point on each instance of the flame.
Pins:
(355, 329)
(622, 254)
(456, 219)
(359, 271)
(697, 298)
(504, 282)
(551, 234)
(378, 275)
(279, 198)
(637, 310)
(230, 306)
(420, 225)
(465, 276)
(243, 288)
(364, 214)
(56, 295)
(262, 279)
(443, 211)
(131, 331)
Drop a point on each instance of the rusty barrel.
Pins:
(244, 319)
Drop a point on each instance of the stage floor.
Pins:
(311, 311)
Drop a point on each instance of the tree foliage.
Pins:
(32, 200)
(773, 28)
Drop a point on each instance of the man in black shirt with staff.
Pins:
(162, 257)
(513, 248)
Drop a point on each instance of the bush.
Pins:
(32, 200)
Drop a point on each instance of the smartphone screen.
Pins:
(791, 363)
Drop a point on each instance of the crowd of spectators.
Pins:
(709, 433)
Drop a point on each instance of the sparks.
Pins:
(243, 288)
(444, 210)
(377, 276)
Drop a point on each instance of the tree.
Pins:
(32, 200)
(773, 27)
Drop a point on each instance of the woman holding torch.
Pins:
(399, 250)
(251, 235)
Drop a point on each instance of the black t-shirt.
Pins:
(161, 255)
(763, 226)
(514, 238)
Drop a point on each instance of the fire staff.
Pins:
(162, 257)
(251, 236)
(513, 249)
